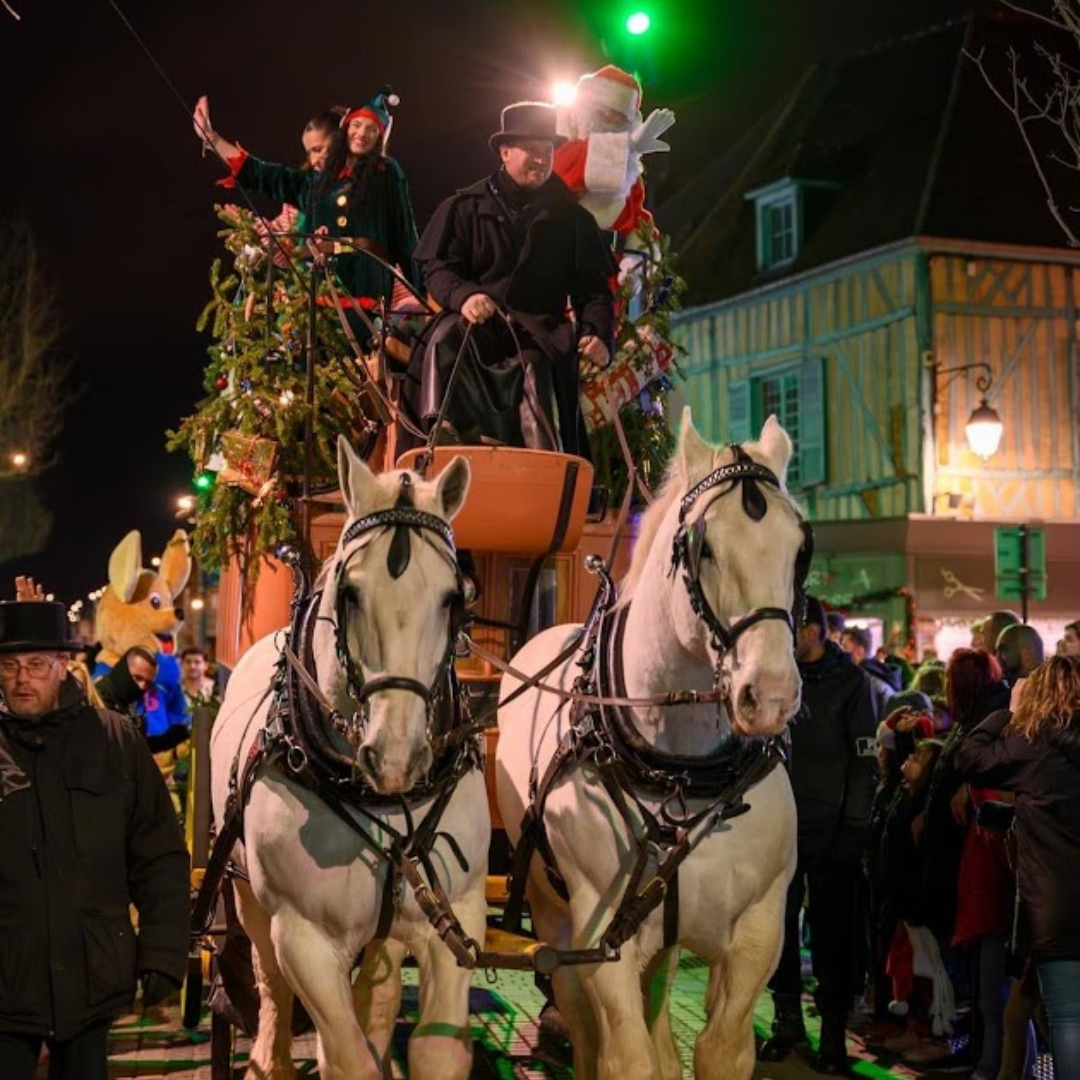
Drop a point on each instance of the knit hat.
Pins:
(609, 88)
(377, 109)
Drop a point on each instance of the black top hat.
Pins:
(527, 120)
(34, 626)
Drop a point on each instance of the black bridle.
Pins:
(404, 519)
(690, 547)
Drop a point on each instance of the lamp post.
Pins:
(984, 426)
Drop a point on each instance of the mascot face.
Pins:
(139, 605)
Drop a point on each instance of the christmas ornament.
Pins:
(221, 382)
(249, 462)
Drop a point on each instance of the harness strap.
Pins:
(231, 831)
(534, 838)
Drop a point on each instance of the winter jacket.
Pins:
(1045, 775)
(900, 863)
(834, 758)
(943, 838)
(161, 713)
(885, 680)
(86, 830)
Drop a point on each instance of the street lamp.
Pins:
(984, 426)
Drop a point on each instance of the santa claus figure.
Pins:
(601, 161)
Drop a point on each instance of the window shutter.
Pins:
(739, 419)
(813, 465)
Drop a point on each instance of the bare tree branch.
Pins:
(1054, 112)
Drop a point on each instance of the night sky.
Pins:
(100, 158)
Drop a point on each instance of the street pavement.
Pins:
(504, 1025)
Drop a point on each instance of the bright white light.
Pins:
(50, 597)
(984, 430)
(155, 561)
(287, 398)
(562, 93)
(19, 459)
(198, 604)
(185, 503)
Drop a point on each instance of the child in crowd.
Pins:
(907, 722)
(921, 991)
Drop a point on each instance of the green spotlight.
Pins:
(638, 23)
(204, 481)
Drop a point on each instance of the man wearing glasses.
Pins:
(86, 831)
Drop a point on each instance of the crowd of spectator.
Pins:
(939, 815)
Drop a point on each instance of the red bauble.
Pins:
(221, 382)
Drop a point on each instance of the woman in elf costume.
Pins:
(361, 196)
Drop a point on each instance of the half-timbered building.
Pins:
(873, 260)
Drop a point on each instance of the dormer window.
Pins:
(777, 208)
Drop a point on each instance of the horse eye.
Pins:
(706, 551)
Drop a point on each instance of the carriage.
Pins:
(356, 770)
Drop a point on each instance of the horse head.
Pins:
(741, 550)
(393, 593)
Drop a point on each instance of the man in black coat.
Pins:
(506, 259)
(86, 830)
(833, 774)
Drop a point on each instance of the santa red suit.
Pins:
(601, 161)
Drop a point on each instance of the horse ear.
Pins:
(176, 562)
(695, 454)
(353, 475)
(453, 486)
(775, 445)
(124, 565)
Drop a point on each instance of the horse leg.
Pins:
(440, 1047)
(656, 990)
(318, 968)
(578, 1014)
(377, 994)
(725, 1047)
(271, 1053)
(624, 1046)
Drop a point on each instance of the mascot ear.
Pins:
(124, 565)
(176, 563)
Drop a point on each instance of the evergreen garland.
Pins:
(249, 429)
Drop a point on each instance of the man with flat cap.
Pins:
(522, 275)
(86, 831)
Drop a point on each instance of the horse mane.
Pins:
(674, 486)
(671, 491)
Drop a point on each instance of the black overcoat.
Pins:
(536, 263)
(87, 829)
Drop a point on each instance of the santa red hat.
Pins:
(611, 88)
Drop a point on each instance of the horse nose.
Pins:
(370, 759)
(747, 703)
(421, 761)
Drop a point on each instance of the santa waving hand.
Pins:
(601, 162)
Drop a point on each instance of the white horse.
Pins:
(731, 888)
(382, 640)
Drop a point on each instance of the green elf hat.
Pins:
(377, 109)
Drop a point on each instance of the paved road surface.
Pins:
(504, 1026)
